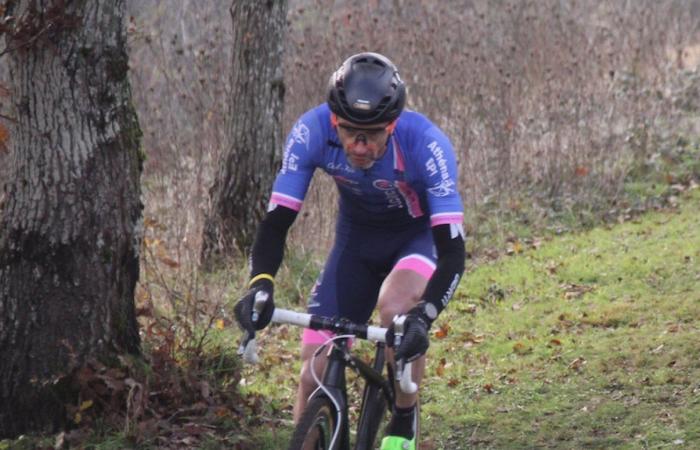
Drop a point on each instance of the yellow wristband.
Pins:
(261, 276)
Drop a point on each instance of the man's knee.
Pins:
(387, 312)
(306, 379)
(395, 303)
(400, 292)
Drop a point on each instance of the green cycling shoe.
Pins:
(398, 443)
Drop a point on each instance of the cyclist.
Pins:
(399, 243)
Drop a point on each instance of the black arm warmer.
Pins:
(450, 266)
(268, 248)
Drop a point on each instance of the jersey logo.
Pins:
(442, 189)
(431, 167)
(451, 290)
(439, 155)
(339, 167)
(301, 133)
(383, 185)
(289, 159)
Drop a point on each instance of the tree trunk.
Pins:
(248, 167)
(70, 228)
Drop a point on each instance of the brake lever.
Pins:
(248, 348)
(403, 368)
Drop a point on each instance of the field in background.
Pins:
(550, 105)
(565, 116)
(582, 341)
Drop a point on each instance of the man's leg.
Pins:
(400, 292)
(307, 384)
(351, 296)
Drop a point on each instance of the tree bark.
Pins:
(248, 167)
(70, 228)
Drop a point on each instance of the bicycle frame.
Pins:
(334, 384)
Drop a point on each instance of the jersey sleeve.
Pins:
(439, 168)
(301, 155)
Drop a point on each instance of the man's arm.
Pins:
(265, 260)
(449, 243)
(268, 247)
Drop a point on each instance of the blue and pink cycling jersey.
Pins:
(388, 207)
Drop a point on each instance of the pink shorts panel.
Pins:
(417, 263)
(317, 337)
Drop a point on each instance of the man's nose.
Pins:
(360, 147)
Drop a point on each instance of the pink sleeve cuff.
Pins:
(443, 218)
(286, 201)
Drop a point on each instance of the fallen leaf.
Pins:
(428, 444)
(514, 248)
(577, 363)
(60, 441)
(471, 338)
(440, 369)
(443, 331)
(574, 291)
(521, 349)
(488, 387)
(470, 308)
(222, 412)
(85, 405)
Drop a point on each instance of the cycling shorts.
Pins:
(360, 260)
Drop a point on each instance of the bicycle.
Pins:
(324, 424)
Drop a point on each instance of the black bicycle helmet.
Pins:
(367, 89)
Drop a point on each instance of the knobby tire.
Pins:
(316, 426)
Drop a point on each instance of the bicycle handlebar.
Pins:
(371, 333)
(248, 347)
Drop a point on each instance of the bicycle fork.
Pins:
(334, 386)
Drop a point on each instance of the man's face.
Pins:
(363, 144)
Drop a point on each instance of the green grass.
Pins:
(593, 345)
(531, 212)
(588, 341)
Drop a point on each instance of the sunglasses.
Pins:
(375, 135)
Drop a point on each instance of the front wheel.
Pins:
(372, 418)
(316, 429)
